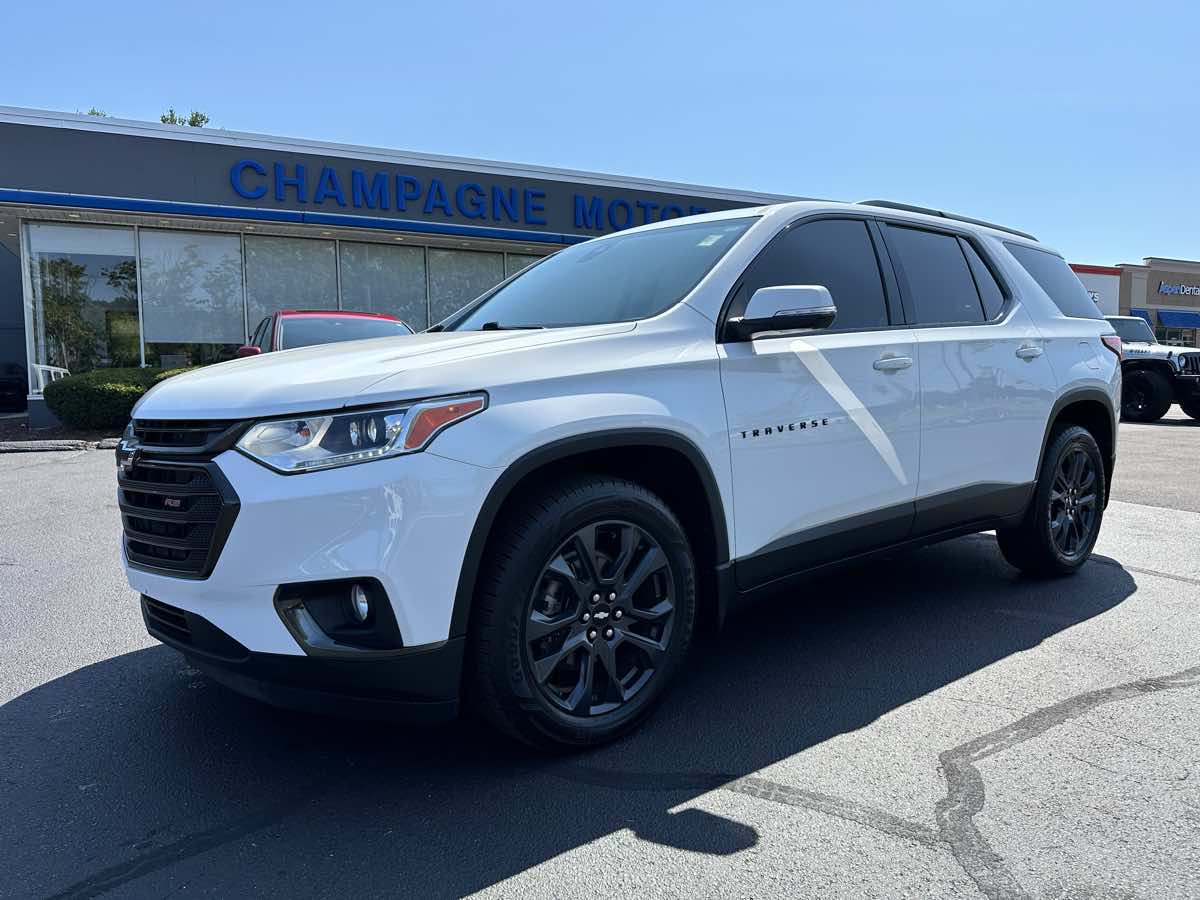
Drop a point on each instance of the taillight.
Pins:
(1113, 343)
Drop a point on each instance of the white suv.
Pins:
(534, 504)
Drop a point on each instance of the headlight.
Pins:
(308, 443)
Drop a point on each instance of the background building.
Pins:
(128, 243)
(1104, 285)
(1166, 293)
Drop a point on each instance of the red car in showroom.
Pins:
(286, 329)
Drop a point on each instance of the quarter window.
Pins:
(940, 286)
(989, 290)
(836, 253)
(1055, 277)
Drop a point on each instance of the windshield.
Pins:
(1133, 330)
(618, 279)
(304, 331)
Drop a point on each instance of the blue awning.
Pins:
(1144, 313)
(1177, 318)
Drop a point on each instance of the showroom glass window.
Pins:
(192, 311)
(456, 277)
(84, 312)
(385, 279)
(289, 273)
(515, 262)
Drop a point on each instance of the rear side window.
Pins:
(260, 339)
(836, 253)
(1056, 278)
(989, 290)
(940, 285)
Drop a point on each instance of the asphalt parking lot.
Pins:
(932, 725)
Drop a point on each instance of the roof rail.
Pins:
(891, 204)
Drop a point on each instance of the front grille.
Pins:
(176, 514)
(166, 620)
(1189, 363)
(171, 434)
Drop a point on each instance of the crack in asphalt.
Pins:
(955, 813)
(754, 786)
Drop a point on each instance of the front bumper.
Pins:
(414, 685)
(404, 522)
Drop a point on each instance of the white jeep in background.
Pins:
(1155, 375)
(534, 504)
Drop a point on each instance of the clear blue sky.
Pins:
(1076, 121)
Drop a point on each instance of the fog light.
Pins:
(360, 603)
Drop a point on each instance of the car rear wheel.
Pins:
(1145, 397)
(584, 611)
(1062, 523)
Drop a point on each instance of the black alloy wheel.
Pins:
(1074, 499)
(600, 618)
(583, 612)
(1058, 530)
(1145, 396)
(1136, 401)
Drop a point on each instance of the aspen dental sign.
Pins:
(1186, 290)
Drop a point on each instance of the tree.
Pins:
(93, 111)
(194, 119)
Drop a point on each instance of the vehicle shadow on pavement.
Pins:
(138, 773)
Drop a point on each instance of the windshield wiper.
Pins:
(496, 326)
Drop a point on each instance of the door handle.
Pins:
(893, 363)
(1029, 351)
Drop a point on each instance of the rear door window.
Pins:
(941, 289)
(836, 253)
(1055, 277)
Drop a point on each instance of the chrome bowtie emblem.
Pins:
(600, 615)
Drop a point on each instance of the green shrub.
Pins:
(102, 398)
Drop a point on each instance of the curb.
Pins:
(53, 446)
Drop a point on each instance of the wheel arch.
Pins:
(1141, 364)
(1090, 408)
(648, 456)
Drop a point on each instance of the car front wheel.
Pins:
(584, 610)
(1145, 396)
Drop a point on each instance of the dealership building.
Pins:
(128, 244)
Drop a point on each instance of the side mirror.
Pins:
(788, 308)
(248, 350)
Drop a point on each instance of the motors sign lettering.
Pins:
(450, 198)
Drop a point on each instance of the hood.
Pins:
(330, 376)
(1145, 348)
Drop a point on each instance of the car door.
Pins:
(824, 425)
(986, 384)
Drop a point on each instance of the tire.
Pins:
(1063, 505)
(1191, 406)
(1145, 396)
(539, 637)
